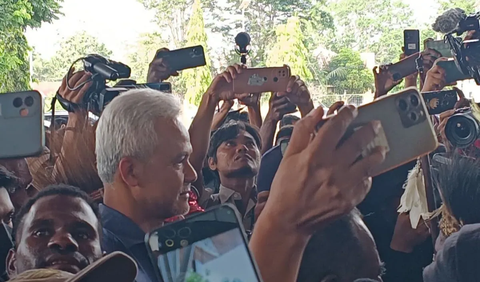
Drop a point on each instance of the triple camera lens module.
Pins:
(410, 110)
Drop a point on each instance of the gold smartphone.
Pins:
(408, 132)
(260, 80)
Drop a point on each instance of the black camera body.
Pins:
(98, 96)
(462, 129)
(466, 52)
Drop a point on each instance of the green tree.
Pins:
(198, 79)
(370, 26)
(347, 73)
(260, 19)
(142, 53)
(71, 49)
(290, 49)
(172, 17)
(467, 5)
(15, 17)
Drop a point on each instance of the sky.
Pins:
(119, 22)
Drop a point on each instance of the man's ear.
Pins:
(129, 170)
(330, 278)
(212, 164)
(11, 262)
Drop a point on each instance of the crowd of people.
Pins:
(310, 208)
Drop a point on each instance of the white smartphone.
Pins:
(21, 124)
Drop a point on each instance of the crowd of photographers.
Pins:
(309, 206)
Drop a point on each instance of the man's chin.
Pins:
(182, 208)
(244, 171)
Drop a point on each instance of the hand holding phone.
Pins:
(222, 85)
(405, 123)
(207, 246)
(435, 79)
(438, 102)
(184, 58)
(452, 72)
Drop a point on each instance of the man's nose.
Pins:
(242, 148)
(63, 241)
(190, 174)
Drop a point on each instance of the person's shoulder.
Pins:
(458, 259)
(110, 242)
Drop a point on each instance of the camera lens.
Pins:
(402, 105)
(169, 233)
(29, 101)
(414, 100)
(169, 243)
(413, 116)
(197, 51)
(275, 79)
(461, 130)
(184, 232)
(17, 102)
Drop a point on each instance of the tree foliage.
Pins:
(260, 19)
(16, 16)
(467, 5)
(371, 26)
(197, 79)
(289, 49)
(71, 49)
(347, 73)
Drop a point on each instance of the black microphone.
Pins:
(242, 40)
(448, 21)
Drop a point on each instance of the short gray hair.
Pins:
(127, 128)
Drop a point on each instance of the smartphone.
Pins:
(408, 132)
(21, 124)
(411, 41)
(259, 80)
(438, 102)
(185, 58)
(209, 246)
(452, 72)
(441, 47)
(405, 67)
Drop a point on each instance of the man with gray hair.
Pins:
(144, 159)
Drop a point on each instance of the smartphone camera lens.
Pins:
(402, 105)
(184, 232)
(275, 79)
(265, 78)
(17, 102)
(169, 233)
(413, 116)
(414, 100)
(29, 101)
(197, 52)
(169, 243)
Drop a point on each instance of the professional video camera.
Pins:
(466, 52)
(99, 94)
(462, 129)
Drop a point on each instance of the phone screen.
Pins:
(207, 247)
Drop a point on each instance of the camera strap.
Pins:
(419, 63)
